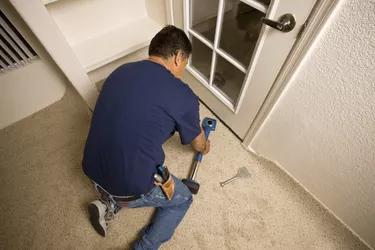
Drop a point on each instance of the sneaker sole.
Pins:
(94, 219)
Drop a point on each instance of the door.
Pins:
(238, 51)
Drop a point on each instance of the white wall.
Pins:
(157, 11)
(28, 90)
(322, 129)
(85, 19)
(33, 87)
(38, 19)
(98, 74)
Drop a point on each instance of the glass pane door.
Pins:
(224, 34)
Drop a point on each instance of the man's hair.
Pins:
(168, 42)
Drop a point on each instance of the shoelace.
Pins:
(110, 212)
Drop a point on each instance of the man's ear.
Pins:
(178, 58)
(175, 60)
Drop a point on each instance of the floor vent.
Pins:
(15, 52)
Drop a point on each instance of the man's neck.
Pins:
(158, 60)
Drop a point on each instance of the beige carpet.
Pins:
(44, 194)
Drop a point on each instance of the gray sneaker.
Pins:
(100, 216)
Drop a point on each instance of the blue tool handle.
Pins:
(207, 131)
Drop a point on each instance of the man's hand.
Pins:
(208, 147)
(200, 144)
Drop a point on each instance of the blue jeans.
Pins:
(169, 214)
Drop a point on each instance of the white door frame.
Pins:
(216, 50)
(316, 21)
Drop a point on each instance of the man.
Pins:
(140, 106)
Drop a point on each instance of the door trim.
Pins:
(316, 21)
(169, 9)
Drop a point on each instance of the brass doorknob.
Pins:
(285, 24)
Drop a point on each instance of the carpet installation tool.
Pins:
(241, 173)
(208, 125)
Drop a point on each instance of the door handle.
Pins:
(285, 24)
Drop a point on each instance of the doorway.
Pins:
(236, 56)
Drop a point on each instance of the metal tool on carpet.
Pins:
(241, 173)
(208, 125)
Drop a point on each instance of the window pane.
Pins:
(228, 79)
(240, 31)
(204, 16)
(201, 58)
(265, 2)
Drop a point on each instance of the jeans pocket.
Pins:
(156, 192)
(156, 196)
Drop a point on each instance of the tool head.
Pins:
(209, 123)
(192, 185)
(243, 173)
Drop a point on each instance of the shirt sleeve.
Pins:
(188, 125)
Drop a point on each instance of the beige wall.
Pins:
(32, 87)
(103, 72)
(157, 11)
(322, 129)
(28, 90)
